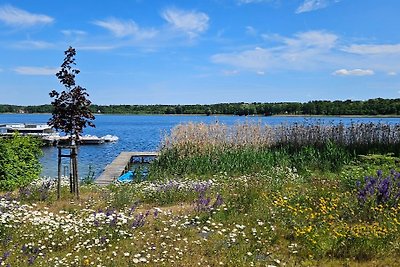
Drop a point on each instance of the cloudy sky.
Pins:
(209, 51)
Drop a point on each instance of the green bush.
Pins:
(19, 161)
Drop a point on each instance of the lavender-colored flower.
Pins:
(31, 260)
(44, 190)
(24, 248)
(6, 255)
(133, 208)
(218, 201)
(109, 212)
(139, 221)
(382, 190)
(24, 192)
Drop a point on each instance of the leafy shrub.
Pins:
(19, 161)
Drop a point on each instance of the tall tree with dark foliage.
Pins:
(71, 115)
(71, 112)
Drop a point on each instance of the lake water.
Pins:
(144, 133)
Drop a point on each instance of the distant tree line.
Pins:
(377, 106)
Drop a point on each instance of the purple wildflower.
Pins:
(31, 260)
(382, 190)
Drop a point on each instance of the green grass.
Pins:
(215, 206)
(250, 160)
(273, 217)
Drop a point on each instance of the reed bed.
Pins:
(194, 138)
(244, 148)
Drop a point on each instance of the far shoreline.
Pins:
(233, 115)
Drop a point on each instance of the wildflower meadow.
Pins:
(205, 202)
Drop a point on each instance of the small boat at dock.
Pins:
(32, 129)
(50, 137)
(126, 177)
(110, 138)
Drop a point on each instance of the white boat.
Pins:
(83, 140)
(49, 136)
(26, 129)
(90, 140)
(110, 138)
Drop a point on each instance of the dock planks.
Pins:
(119, 165)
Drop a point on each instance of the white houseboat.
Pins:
(48, 135)
(26, 129)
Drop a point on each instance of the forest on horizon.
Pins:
(371, 107)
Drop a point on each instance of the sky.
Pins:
(202, 52)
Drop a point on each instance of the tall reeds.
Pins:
(200, 138)
(201, 148)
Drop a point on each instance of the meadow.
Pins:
(243, 195)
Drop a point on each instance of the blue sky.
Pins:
(209, 51)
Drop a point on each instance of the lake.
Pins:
(144, 133)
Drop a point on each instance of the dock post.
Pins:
(71, 182)
(59, 174)
(75, 171)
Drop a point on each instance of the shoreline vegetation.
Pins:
(241, 195)
(254, 115)
(371, 107)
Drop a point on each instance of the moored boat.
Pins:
(50, 137)
(126, 177)
(110, 138)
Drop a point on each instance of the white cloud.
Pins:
(36, 70)
(96, 47)
(255, 59)
(17, 17)
(69, 33)
(312, 39)
(31, 44)
(230, 72)
(252, 1)
(261, 73)
(354, 72)
(190, 22)
(121, 28)
(305, 49)
(251, 31)
(392, 73)
(312, 51)
(311, 5)
(373, 49)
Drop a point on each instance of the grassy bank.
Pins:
(247, 203)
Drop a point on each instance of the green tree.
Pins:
(19, 161)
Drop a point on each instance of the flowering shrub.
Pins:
(380, 190)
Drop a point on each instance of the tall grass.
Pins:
(199, 148)
(195, 138)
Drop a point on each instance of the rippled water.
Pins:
(144, 133)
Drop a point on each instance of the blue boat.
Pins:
(126, 177)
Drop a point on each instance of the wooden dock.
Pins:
(120, 165)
